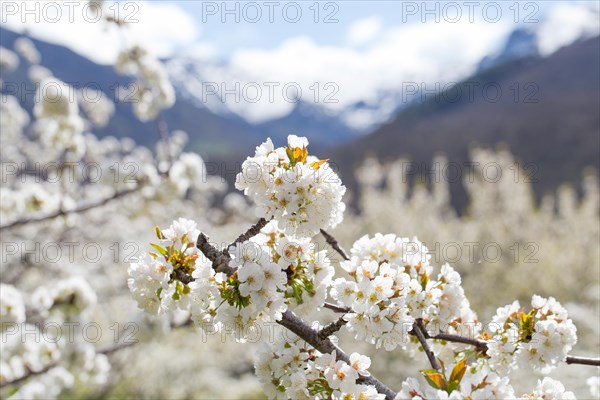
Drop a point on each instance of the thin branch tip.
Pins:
(334, 244)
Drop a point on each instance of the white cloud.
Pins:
(565, 23)
(422, 53)
(161, 27)
(425, 54)
(201, 51)
(364, 31)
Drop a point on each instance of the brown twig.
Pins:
(336, 308)
(182, 276)
(583, 361)
(220, 261)
(460, 339)
(483, 346)
(332, 328)
(334, 243)
(250, 233)
(28, 375)
(419, 332)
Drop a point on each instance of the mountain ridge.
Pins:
(557, 109)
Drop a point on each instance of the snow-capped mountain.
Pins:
(358, 104)
(521, 43)
(226, 92)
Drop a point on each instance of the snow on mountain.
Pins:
(227, 92)
(364, 90)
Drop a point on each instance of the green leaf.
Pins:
(158, 232)
(459, 371)
(435, 379)
(317, 164)
(424, 281)
(527, 322)
(159, 248)
(289, 152)
(452, 386)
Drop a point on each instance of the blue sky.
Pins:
(328, 22)
(170, 27)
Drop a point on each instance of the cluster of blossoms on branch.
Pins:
(300, 191)
(274, 273)
(389, 296)
(478, 383)
(391, 286)
(291, 369)
(152, 91)
(538, 339)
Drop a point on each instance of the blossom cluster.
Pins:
(162, 280)
(300, 191)
(538, 339)
(273, 272)
(273, 262)
(9, 61)
(12, 307)
(391, 286)
(58, 122)
(66, 299)
(293, 369)
(26, 49)
(549, 388)
(153, 91)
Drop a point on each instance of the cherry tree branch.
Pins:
(448, 337)
(419, 331)
(220, 261)
(319, 339)
(290, 320)
(336, 308)
(334, 244)
(85, 206)
(459, 339)
(483, 346)
(293, 323)
(332, 328)
(30, 373)
(583, 361)
(250, 233)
